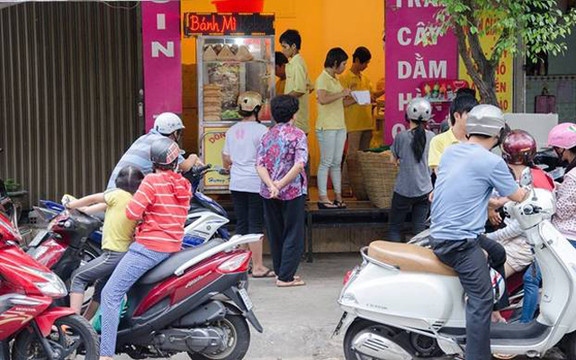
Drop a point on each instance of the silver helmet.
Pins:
(485, 120)
(419, 109)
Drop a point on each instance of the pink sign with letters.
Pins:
(162, 58)
(409, 62)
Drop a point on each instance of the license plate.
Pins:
(339, 326)
(38, 239)
(246, 299)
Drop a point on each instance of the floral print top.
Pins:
(564, 219)
(282, 147)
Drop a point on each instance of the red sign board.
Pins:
(228, 24)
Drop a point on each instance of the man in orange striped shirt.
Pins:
(161, 204)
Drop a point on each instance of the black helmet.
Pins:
(164, 153)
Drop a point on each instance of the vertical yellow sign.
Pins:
(214, 139)
(504, 71)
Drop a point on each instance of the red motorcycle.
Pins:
(30, 326)
(196, 301)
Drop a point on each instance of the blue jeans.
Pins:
(532, 281)
(137, 261)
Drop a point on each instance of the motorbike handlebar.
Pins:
(201, 169)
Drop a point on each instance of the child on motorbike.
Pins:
(518, 150)
(239, 155)
(116, 237)
(413, 183)
(161, 204)
(563, 139)
(467, 174)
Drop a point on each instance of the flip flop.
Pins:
(267, 274)
(340, 204)
(326, 206)
(296, 277)
(293, 283)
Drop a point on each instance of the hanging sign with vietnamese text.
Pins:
(412, 60)
(227, 24)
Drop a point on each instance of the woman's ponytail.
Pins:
(419, 140)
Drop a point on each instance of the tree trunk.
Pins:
(487, 87)
(481, 70)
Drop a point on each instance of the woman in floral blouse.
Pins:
(282, 157)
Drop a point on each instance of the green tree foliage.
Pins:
(525, 27)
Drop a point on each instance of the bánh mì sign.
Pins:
(227, 24)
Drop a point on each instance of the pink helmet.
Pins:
(563, 136)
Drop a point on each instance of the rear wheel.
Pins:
(238, 333)
(404, 344)
(568, 346)
(358, 328)
(71, 336)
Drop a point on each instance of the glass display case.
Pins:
(228, 66)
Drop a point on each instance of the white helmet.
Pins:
(485, 120)
(419, 109)
(166, 123)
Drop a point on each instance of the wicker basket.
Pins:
(379, 177)
(355, 177)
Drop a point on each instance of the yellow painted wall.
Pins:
(323, 24)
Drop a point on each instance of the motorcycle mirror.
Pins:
(526, 177)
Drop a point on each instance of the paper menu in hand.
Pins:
(362, 97)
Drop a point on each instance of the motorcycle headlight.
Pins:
(53, 286)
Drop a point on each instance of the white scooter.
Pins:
(403, 303)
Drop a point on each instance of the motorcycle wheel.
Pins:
(238, 340)
(71, 336)
(357, 327)
(568, 346)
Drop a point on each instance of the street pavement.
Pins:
(298, 322)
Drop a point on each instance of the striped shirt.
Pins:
(138, 155)
(161, 202)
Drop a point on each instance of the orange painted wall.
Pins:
(323, 24)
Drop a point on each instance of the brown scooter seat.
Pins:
(409, 257)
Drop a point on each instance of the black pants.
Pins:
(468, 260)
(285, 229)
(249, 212)
(401, 207)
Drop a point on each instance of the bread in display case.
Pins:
(227, 66)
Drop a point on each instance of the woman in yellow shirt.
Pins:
(117, 235)
(331, 127)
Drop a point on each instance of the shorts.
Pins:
(519, 253)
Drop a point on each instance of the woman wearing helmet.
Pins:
(239, 155)
(518, 150)
(563, 139)
(413, 183)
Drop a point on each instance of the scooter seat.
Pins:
(408, 257)
(167, 267)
